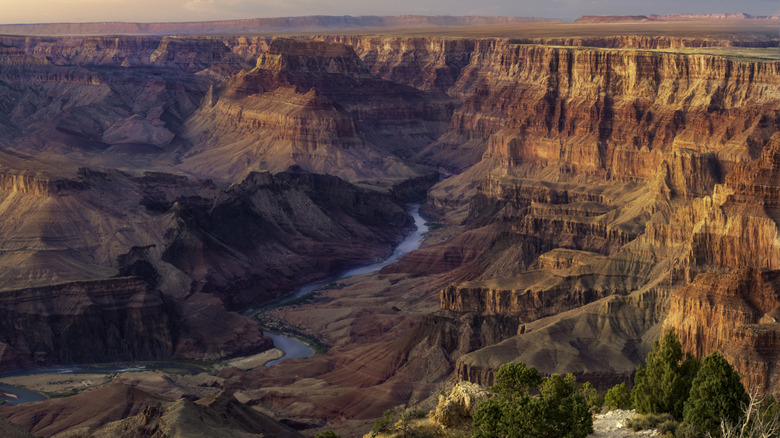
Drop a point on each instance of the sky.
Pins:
(48, 11)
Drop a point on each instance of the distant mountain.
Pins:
(676, 17)
(262, 25)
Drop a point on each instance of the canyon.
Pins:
(587, 187)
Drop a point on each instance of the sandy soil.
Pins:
(258, 360)
(52, 383)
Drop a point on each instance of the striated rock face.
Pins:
(630, 118)
(619, 172)
(85, 322)
(425, 63)
(125, 50)
(116, 319)
(314, 105)
(193, 54)
(601, 342)
(732, 308)
(735, 314)
(38, 185)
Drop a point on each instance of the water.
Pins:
(18, 395)
(293, 348)
(21, 395)
(411, 243)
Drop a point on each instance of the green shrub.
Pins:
(618, 397)
(716, 394)
(558, 408)
(327, 434)
(384, 423)
(663, 384)
(667, 427)
(516, 379)
(648, 421)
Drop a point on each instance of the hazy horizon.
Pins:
(81, 11)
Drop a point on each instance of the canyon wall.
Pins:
(84, 322)
(597, 191)
(659, 163)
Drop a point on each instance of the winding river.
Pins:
(295, 349)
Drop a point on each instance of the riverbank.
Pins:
(288, 337)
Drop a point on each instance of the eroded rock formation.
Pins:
(598, 190)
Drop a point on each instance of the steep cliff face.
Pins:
(612, 113)
(731, 307)
(193, 54)
(735, 314)
(125, 50)
(601, 342)
(314, 105)
(597, 191)
(85, 322)
(425, 63)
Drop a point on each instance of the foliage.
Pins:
(593, 397)
(558, 410)
(716, 394)
(618, 397)
(663, 384)
(327, 434)
(668, 427)
(399, 419)
(516, 379)
(648, 421)
(384, 423)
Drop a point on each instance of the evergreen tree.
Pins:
(559, 409)
(663, 384)
(516, 379)
(618, 397)
(716, 394)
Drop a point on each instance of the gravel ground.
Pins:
(611, 425)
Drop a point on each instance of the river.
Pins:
(295, 349)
